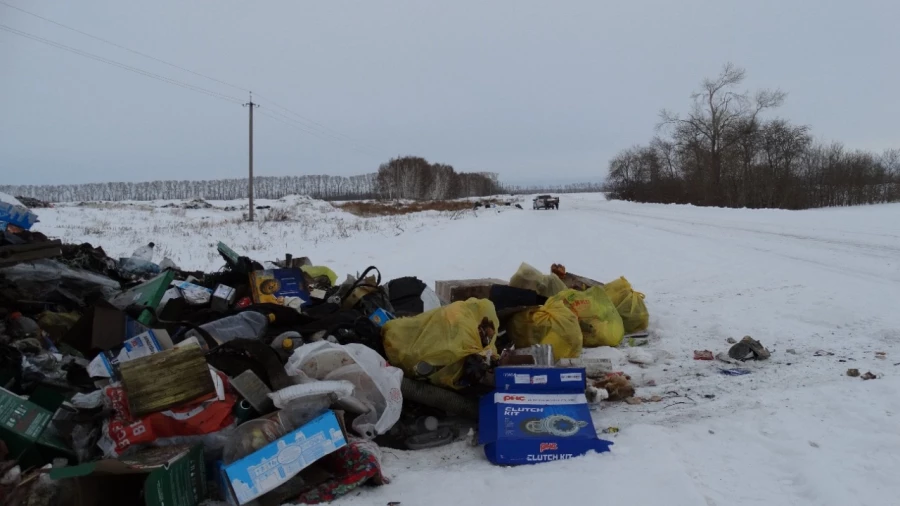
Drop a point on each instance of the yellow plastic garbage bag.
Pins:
(553, 323)
(316, 271)
(442, 339)
(57, 324)
(598, 318)
(629, 303)
(529, 278)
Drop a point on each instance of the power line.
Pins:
(123, 66)
(309, 122)
(323, 134)
(281, 118)
(123, 47)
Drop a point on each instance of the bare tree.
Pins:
(723, 152)
(717, 109)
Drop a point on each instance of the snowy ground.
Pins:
(797, 431)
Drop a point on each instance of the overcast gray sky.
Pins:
(534, 90)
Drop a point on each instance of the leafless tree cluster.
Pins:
(724, 153)
(412, 177)
(322, 187)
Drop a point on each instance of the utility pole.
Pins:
(251, 105)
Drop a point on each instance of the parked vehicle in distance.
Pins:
(546, 202)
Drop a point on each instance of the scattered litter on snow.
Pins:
(735, 372)
(703, 355)
(640, 356)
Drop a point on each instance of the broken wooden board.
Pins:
(14, 254)
(454, 290)
(576, 282)
(166, 379)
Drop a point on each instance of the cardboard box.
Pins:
(106, 326)
(285, 287)
(166, 476)
(103, 327)
(194, 294)
(537, 414)
(379, 317)
(24, 429)
(222, 298)
(463, 289)
(106, 364)
(274, 464)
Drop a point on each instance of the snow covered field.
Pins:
(797, 431)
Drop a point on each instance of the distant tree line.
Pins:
(321, 187)
(405, 177)
(563, 188)
(724, 153)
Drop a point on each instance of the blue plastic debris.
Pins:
(735, 372)
(379, 317)
(18, 216)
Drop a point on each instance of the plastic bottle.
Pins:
(21, 327)
(246, 325)
(138, 267)
(144, 252)
(167, 263)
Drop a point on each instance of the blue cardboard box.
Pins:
(540, 379)
(380, 317)
(274, 464)
(285, 287)
(537, 414)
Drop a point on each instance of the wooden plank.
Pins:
(18, 248)
(166, 379)
(577, 282)
(16, 253)
(27, 256)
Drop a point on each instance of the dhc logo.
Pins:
(547, 447)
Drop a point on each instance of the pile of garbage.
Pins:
(33, 203)
(197, 203)
(124, 381)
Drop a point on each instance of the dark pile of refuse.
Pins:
(128, 382)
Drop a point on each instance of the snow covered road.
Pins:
(797, 431)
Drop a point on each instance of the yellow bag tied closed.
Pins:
(598, 318)
(629, 304)
(442, 338)
(553, 323)
(529, 278)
